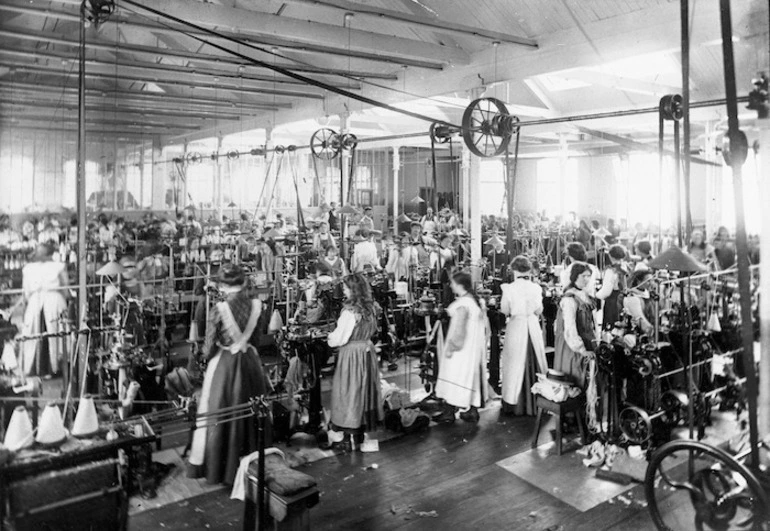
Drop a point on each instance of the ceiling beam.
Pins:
(19, 67)
(25, 105)
(304, 31)
(101, 65)
(16, 129)
(314, 49)
(154, 52)
(625, 84)
(18, 6)
(105, 121)
(418, 21)
(57, 89)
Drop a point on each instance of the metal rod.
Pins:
(678, 185)
(81, 187)
(685, 21)
(699, 363)
(744, 276)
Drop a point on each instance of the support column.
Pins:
(159, 172)
(563, 168)
(396, 190)
(218, 181)
(763, 125)
(473, 185)
(713, 182)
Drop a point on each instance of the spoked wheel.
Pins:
(636, 425)
(487, 127)
(715, 492)
(325, 144)
(349, 141)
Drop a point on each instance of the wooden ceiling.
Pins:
(554, 58)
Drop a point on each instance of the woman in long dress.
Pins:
(357, 405)
(42, 283)
(234, 375)
(575, 330)
(461, 364)
(524, 350)
(613, 287)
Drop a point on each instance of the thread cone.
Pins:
(51, 431)
(19, 433)
(86, 421)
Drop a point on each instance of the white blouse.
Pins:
(569, 314)
(345, 326)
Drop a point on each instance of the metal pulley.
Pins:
(636, 423)
(232, 155)
(325, 144)
(488, 127)
(671, 107)
(279, 149)
(441, 133)
(348, 141)
(735, 147)
(194, 158)
(256, 152)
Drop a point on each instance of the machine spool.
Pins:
(349, 142)
(636, 423)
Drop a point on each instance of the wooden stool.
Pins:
(576, 404)
(287, 512)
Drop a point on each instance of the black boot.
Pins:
(447, 415)
(344, 446)
(358, 440)
(472, 415)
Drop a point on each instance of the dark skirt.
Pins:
(237, 378)
(525, 405)
(356, 394)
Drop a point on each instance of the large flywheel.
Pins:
(488, 127)
(325, 144)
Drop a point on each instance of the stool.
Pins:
(290, 495)
(576, 404)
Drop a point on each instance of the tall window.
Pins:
(751, 196)
(643, 195)
(557, 196)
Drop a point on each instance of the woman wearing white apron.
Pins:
(461, 364)
(234, 375)
(524, 350)
(46, 304)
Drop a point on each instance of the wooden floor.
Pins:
(450, 470)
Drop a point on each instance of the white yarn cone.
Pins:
(713, 324)
(19, 433)
(51, 431)
(86, 421)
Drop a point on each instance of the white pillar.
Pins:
(713, 182)
(563, 166)
(472, 208)
(218, 182)
(764, 281)
(159, 176)
(396, 190)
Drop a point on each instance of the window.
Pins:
(751, 197)
(642, 195)
(554, 196)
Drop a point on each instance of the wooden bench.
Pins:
(576, 405)
(289, 509)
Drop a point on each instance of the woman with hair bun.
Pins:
(524, 350)
(234, 376)
(357, 405)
